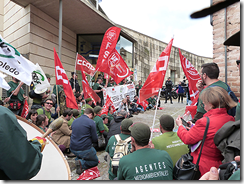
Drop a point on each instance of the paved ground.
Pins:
(147, 117)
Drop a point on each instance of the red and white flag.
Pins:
(108, 103)
(108, 44)
(88, 92)
(62, 79)
(144, 104)
(25, 110)
(191, 74)
(86, 66)
(155, 79)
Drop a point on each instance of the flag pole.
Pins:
(14, 91)
(155, 113)
(75, 69)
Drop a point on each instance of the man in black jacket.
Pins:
(168, 90)
(74, 83)
(114, 127)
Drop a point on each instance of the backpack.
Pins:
(232, 111)
(121, 149)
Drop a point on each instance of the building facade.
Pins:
(32, 27)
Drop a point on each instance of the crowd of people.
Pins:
(84, 129)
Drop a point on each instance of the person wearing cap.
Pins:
(111, 83)
(46, 109)
(62, 135)
(123, 82)
(168, 89)
(74, 83)
(88, 104)
(38, 96)
(97, 88)
(169, 140)
(82, 137)
(145, 162)
(18, 96)
(125, 133)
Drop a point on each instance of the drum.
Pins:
(54, 164)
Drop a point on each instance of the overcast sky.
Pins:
(163, 19)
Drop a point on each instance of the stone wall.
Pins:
(232, 52)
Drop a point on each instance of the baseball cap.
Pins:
(103, 116)
(88, 99)
(167, 122)
(75, 112)
(97, 109)
(48, 76)
(125, 124)
(140, 132)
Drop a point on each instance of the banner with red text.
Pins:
(25, 110)
(86, 66)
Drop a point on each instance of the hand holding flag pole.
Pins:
(159, 92)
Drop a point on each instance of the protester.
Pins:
(132, 106)
(82, 137)
(139, 107)
(169, 141)
(180, 92)
(216, 102)
(88, 104)
(125, 133)
(168, 89)
(16, 102)
(151, 103)
(124, 106)
(106, 129)
(123, 82)
(62, 135)
(188, 97)
(110, 115)
(97, 88)
(20, 159)
(144, 163)
(74, 83)
(48, 104)
(79, 99)
(38, 97)
(31, 116)
(138, 87)
(76, 114)
(114, 127)
(42, 122)
(111, 83)
(209, 78)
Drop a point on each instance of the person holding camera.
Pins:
(216, 102)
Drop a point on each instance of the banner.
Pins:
(108, 44)
(25, 110)
(107, 105)
(118, 93)
(191, 74)
(14, 64)
(62, 79)
(155, 79)
(39, 78)
(86, 66)
(3, 83)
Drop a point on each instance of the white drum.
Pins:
(54, 165)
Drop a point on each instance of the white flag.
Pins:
(3, 83)
(39, 78)
(14, 64)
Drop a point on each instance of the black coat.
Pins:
(114, 127)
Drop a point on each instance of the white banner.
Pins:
(118, 93)
(39, 78)
(14, 64)
(3, 83)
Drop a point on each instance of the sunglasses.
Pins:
(49, 103)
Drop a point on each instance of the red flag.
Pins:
(82, 62)
(108, 103)
(155, 79)
(116, 67)
(88, 92)
(143, 103)
(191, 74)
(108, 44)
(62, 79)
(25, 110)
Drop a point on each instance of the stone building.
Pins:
(32, 27)
(226, 22)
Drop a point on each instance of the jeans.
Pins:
(88, 158)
